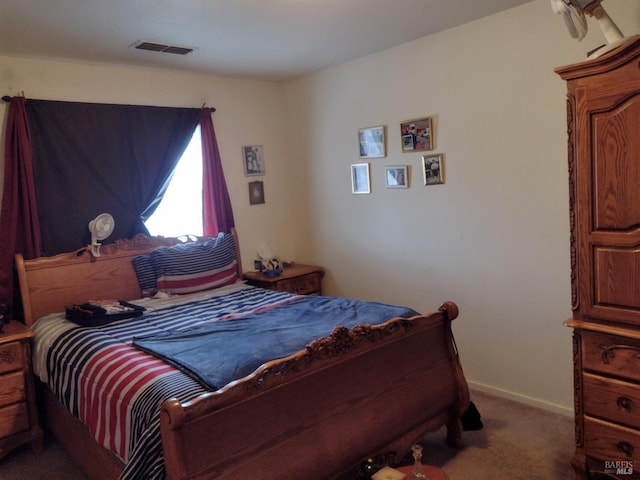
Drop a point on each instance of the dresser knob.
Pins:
(626, 448)
(624, 403)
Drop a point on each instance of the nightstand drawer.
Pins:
(301, 285)
(14, 419)
(611, 354)
(11, 388)
(608, 441)
(11, 357)
(612, 399)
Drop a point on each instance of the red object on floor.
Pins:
(434, 473)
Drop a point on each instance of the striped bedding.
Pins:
(115, 389)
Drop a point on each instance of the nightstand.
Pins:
(18, 412)
(299, 279)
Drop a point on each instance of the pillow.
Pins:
(193, 267)
(146, 274)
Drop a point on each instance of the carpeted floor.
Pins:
(518, 442)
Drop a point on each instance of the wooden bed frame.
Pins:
(318, 414)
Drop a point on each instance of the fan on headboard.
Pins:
(573, 12)
(100, 227)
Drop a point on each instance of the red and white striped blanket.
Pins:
(115, 389)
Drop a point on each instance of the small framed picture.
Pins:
(395, 176)
(256, 193)
(360, 181)
(372, 142)
(253, 160)
(417, 135)
(433, 168)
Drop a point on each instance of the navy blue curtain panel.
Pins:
(91, 158)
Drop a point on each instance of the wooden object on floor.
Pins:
(18, 413)
(434, 473)
(298, 278)
(603, 108)
(356, 393)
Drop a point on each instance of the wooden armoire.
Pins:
(603, 119)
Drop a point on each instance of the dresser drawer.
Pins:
(13, 419)
(11, 357)
(303, 285)
(12, 388)
(608, 441)
(611, 399)
(611, 354)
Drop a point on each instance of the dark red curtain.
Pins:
(19, 226)
(216, 204)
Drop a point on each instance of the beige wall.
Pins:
(495, 237)
(248, 113)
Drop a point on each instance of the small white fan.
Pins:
(100, 227)
(573, 13)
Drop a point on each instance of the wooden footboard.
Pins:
(323, 410)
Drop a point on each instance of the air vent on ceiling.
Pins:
(160, 47)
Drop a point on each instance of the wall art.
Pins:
(360, 180)
(372, 142)
(417, 135)
(433, 169)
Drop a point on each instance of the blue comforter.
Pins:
(218, 353)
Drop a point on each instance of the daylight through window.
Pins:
(180, 211)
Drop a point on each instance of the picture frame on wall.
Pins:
(396, 176)
(417, 135)
(372, 141)
(253, 158)
(433, 169)
(360, 179)
(256, 193)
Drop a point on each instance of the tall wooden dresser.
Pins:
(603, 109)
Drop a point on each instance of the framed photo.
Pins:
(360, 181)
(256, 193)
(372, 142)
(395, 176)
(417, 135)
(433, 169)
(253, 160)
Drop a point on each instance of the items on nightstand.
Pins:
(299, 279)
(271, 267)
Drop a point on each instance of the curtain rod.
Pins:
(7, 99)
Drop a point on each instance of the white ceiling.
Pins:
(262, 39)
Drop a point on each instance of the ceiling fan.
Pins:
(100, 227)
(573, 13)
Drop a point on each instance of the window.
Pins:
(180, 211)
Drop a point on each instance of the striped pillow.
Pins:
(146, 274)
(193, 267)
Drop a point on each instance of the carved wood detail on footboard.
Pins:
(324, 409)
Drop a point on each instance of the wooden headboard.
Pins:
(48, 284)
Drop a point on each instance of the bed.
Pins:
(367, 390)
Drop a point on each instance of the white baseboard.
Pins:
(516, 397)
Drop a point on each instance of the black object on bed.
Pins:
(95, 315)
